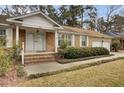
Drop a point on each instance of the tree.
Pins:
(101, 24)
(110, 11)
(63, 14)
(69, 15)
(117, 23)
(52, 13)
(91, 12)
(14, 10)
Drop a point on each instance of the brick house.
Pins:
(40, 36)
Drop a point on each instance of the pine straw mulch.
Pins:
(11, 79)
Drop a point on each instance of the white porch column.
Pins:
(22, 53)
(17, 35)
(56, 41)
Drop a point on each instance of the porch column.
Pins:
(123, 43)
(17, 35)
(56, 41)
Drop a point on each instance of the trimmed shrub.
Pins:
(115, 45)
(73, 53)
(20, 71)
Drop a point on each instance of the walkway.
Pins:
(54, 66)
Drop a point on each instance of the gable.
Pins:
(37, 20)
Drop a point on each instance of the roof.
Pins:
(3, 19)
(31, 14)
(84, 32)
(115, 34)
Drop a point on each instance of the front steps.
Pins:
(39, 58)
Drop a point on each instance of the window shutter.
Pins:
(9, 37)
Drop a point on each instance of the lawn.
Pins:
(108, 74)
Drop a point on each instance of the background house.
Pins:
(117, 35)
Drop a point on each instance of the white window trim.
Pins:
(87, 41)
(66, 37)
(71, 39)
(58, 39)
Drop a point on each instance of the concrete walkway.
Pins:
(54, 66)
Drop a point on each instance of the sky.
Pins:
(102, 9)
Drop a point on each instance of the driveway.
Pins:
(54, 66)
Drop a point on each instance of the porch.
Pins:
(38, 45)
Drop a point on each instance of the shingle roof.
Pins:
(115, 34)
(86, 32)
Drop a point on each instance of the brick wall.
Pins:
(50, 42)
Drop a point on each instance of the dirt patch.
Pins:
(10, 79)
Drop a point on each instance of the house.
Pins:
(40, 36)
(117, 35)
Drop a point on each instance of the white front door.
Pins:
(35, 41)
(29, 41)
(39, 41)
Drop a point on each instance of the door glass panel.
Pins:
(35, 41)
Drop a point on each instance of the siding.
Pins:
(36, 20)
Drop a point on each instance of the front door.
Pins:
(35, 41)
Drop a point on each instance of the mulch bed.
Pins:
(10, 79)
(64, 61)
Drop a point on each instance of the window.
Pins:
(62, 37)
(2, 33)
(83, 40)
(69, 40)
(2, 37)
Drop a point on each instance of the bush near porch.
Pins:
(74, 53)
(116, 45)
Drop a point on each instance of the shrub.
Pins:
(63, 44)
(5, 62)
(2, 41)
(20, 71)
(115, 45)
(15, 52)
(73, 53)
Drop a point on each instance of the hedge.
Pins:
(73, 53)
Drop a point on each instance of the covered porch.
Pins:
(35, 42)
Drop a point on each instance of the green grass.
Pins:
(108, 74)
